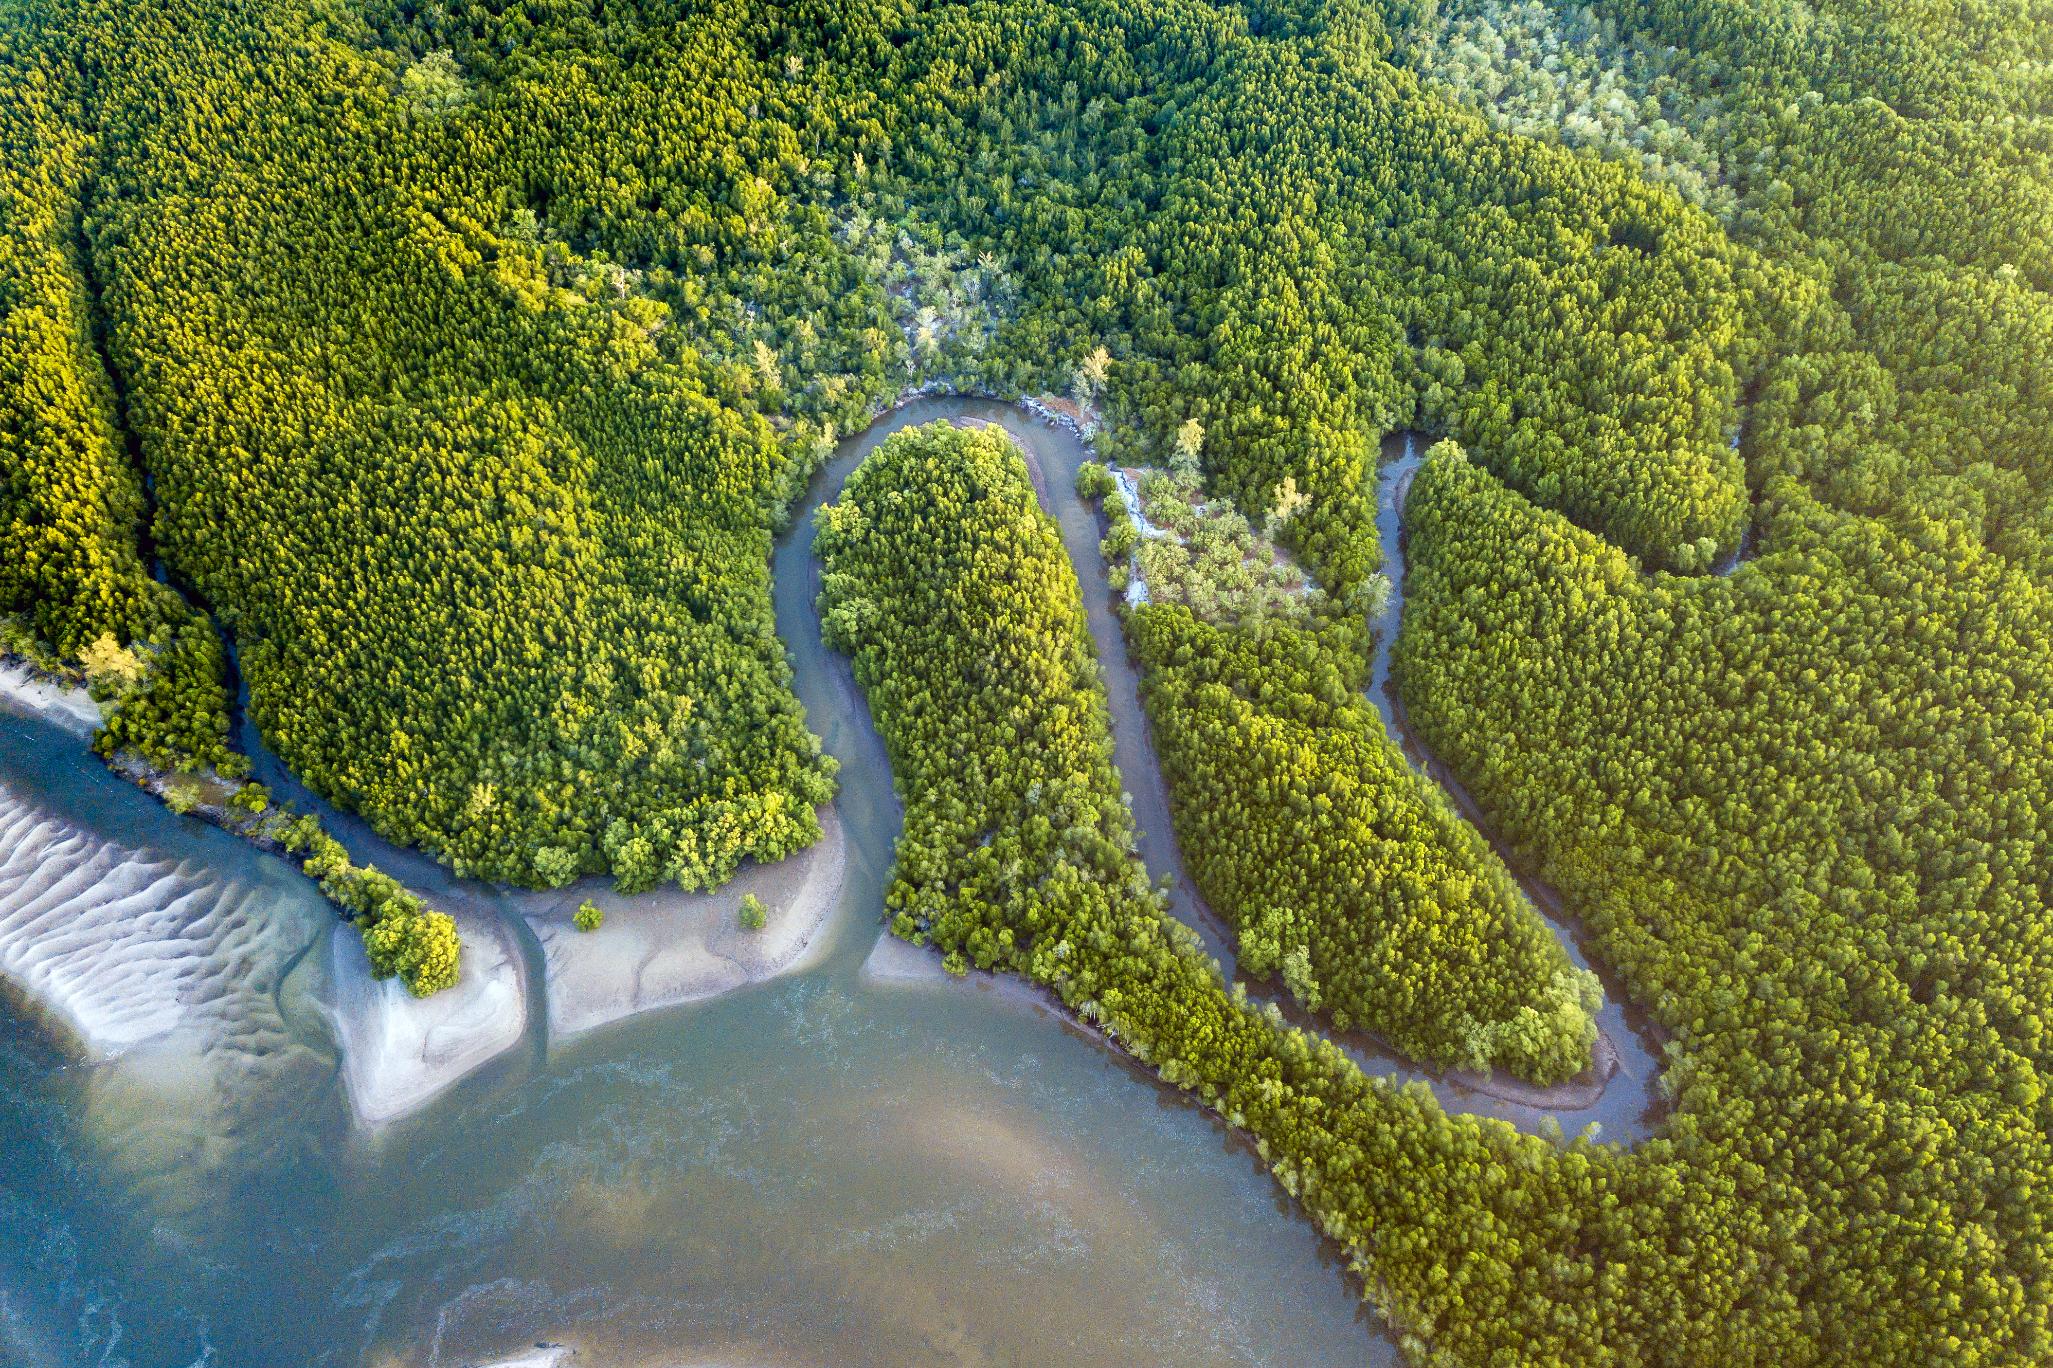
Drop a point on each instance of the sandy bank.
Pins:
(895, 963)
(26, 693)
(665, 948)
(129, 947)
(399, 1051)
(1570, 1095)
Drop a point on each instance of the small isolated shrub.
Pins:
(753, 914)
(1120, 538)
(589, 916)
(1093, 481)
(420, 947)
(181, 796)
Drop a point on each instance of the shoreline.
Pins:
(897, 965)
(212, 806)
(40, 696)
(664, 949)
(132, 947)
(542, 1355)
(1583, 1092)
(398, 1053)
(1579, 1093)
(395, 1053)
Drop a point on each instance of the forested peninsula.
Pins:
(426, 381)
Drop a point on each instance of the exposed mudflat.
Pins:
(399, 1052)
(25, 693)
(135, 953)
(661, 949)
(131, 948)
(895, 963)
(813, 1171)
(164, 964)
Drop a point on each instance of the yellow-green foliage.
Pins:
(1307, 829)
(950, 590)
(420, 947)
(70, 502)
(178, 718)
(470, 386)
(491, 530)
(914, 551)
(1815, 843)
(401, 935)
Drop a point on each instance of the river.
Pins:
(821, 1170)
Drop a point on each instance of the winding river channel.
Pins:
(830, 1168)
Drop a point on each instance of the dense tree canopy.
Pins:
(470, 342)
(71, 503)
(950, 591)
(458, 359)
(1894, 168)
(1739, 1236)
(1815, 844)
(1342, 868)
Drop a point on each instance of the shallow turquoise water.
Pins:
(815, 1171)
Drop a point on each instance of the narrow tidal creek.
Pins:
(835, 1167)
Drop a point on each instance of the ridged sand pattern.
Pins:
(131, 947)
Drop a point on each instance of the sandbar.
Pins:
(400, 1052)
(662, 949)
(27, 693)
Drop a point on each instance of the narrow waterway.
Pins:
(821, 1170)
(1624, 1105)
(1628, 1102)
(825, 1169)
(1631, 1101)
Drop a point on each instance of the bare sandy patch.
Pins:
(130, 948)
(26, 693)
(661, 949)
(895, 963)
(400, 1052)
